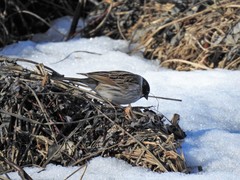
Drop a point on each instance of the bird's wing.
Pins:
(102, 77)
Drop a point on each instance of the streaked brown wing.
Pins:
(102, 77)
(124, 77)
(126, 80)
(115, 78)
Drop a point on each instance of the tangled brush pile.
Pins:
(44, 118)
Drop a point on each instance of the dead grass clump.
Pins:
(45, 117)
(189, 35)
(197, 40)
(182, 36)
(20, 19)
(194, 39)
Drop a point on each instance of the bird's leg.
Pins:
(129, 113)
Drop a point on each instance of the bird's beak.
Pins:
(146, 96)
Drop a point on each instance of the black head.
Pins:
(145, 88)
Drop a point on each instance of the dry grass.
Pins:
(45, 117)
(183, 36)
(20, 19)
(193, 39)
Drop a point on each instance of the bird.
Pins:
(118, 87)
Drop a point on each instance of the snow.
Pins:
(209, 109)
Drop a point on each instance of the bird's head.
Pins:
(145, 88)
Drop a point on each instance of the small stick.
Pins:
(170, 99)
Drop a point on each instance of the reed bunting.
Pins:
(119, 87)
